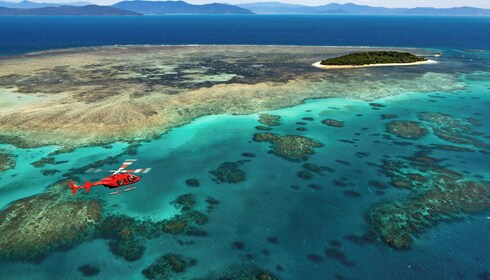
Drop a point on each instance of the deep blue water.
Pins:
(24, 34)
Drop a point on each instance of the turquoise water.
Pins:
(273, 201)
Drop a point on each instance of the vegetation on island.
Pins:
(375, 57)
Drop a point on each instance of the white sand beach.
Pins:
(331, 67)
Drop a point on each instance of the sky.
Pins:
(377, 3)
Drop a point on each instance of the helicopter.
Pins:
(119, 178)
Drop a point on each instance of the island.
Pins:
(372, 58)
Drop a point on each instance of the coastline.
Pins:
(332, 67)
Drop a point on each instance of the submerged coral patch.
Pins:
(334, 123)
(7, 161)
(441, 195)
(290, 147)
(229, 172)
(168, 266)
(36, 225)
(270, 120)
(406, 129)
(454, 129)
(192, 182)
(240, 272)
(388, 116)
(88, 270)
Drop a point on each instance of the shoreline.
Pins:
(332, 67)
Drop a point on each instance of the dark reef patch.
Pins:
(49, 172)
(333, 123)
(406, 129)
(168, 266)
(314, 258)
(317, 168)
(352, 193)
(337, 254)
(192, 182)
(270, 120)
(440, 195)
(263, 128)
(34, 226)
(453, 129)
(377, 105)
(238, 245)
(7, 161)
(248, 155)
(315, 187)
(88, 270)
(126, 236)
(388, 116)
(303, 174)
(290, 147)
(229, 172)
(240, 272)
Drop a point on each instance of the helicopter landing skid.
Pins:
(125, 190)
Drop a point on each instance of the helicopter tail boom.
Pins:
(74, 188)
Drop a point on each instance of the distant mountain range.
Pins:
(89, 10)
(33, 5)
(178, 7)
(181, 7)
(334, 8)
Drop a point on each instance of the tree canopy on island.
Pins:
(375, 57)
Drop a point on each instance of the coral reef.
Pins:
(406, 129)
(388, 116)
(189, 220)
(303, 174)
(270, 120)
(317, 168)
(165, 90)
(229, 172)
(453, 129)
(263, 128)
(192, 182)
(440, 194)
(290, 147)
(49, 172)
(185, 201)
(34, 226)
(168, 267)
(334, 123)
(88, 270)
(336, 254)
(47, 160)
(7, 161)
(126, 236)
(240, 272)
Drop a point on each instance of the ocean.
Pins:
(340, 217)
(31, 33)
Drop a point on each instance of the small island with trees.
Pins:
(373, 58)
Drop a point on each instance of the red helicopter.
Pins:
(120, 177)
